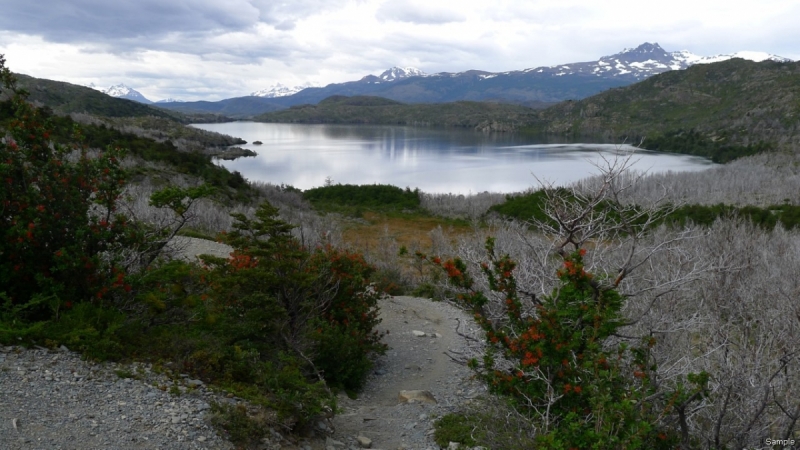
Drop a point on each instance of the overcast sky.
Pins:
(215, 49)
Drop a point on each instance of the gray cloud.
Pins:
(90, 20)
(419, 13)
(148, 23)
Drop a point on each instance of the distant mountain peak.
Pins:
(647, 47)
(398, 73)
(281, 90)
(170, 100)
(122, 91)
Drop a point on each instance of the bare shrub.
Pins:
(721, 300)
(459, 206)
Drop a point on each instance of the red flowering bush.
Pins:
(61, 236)
(346, 338)
(560, 362)
(319, 304)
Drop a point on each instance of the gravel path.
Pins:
(413, 362)
(54, 400)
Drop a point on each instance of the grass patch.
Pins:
(244, 428)
(485, 422)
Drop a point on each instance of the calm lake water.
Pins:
(433, 160)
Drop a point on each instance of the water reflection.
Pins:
(434, 160)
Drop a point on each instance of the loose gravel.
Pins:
(56, 400)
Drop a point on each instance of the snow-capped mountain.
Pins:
(644, 61)
(398, 73)
(393, 74)
(122, 91)
(280, 90)
(170, 100)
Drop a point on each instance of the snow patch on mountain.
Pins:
(122, 91)
(281, 90)
(170, 100)
(398, 73)
(752, 56)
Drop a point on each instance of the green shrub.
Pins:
(559, 368)
(370, 196)
(61, 235)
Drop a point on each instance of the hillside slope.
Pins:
(737, 101)
(67, 98)
(380, 111)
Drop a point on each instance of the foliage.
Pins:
(694, 143)
(244, 428)
(787, 215)
(531, 207)
(358, 197)
(485, 422)
(560, 363)
(318, 304)
(456, 428)
(61, 236)
(346, 338)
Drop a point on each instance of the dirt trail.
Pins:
(411, 363)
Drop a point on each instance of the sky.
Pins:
(216, 49)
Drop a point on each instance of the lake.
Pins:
(433, 160)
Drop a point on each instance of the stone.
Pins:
(364, 442)
(418, 333)
(329, 442)
(416, 396)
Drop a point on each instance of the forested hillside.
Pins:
(379, 111)
(735, 102)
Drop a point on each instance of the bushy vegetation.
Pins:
(532, 207)
(355, 198)
(692, 142)
(557, 364)
(61, 237)
(277, 323)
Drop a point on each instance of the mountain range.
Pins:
(533, 87)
